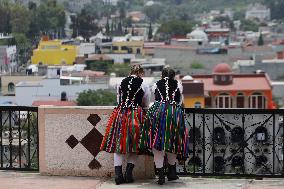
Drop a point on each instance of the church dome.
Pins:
(222, 68)
(187, 78)
(198, 34)
(222, 74)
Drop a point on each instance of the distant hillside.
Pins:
(199, 6)
(205, 5)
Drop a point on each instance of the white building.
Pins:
(258, 11)
(8, 50)
(152, 66)
(86, 48)
(52, 89)
(110, 2)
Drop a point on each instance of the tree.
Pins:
(249, 25)
(121, 70)
(107, 28)
(175, 27)
(51, 18)
(112, 28)
(128, 21)
(34, 30)
(23, 47)
(122, 12)
(276, 8)
(132, 31)
(119, 29)
(20, 19)
(96, 98)
(178, 2)
(86, 25)
(99, 65)
(74, 25)
(260, 41)
(5, 15)
(153, 12)
(150, 32)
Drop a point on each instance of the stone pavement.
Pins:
(21, 180)
(202, 183)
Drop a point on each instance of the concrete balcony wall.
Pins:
(67, 141)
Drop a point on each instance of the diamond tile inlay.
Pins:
(94, 119)
(72, 141)
(92, 141)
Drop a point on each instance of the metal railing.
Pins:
(19, 138)
(235, 142)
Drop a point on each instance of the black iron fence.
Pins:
(19, 138)
(243, 142)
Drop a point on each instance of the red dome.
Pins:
(222, 68)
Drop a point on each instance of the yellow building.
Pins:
(128, 47)
(53, 52)
(193, 93)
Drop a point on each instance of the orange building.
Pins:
(224, 89)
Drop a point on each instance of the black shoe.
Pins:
(172, 173)
(128, 173)
(161, 175)
(118, 175)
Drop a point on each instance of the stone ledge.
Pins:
(60, 156)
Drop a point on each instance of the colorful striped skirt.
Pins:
(123, 130)
(164, 129)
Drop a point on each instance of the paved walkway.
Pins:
(201, 183)
(20, 180)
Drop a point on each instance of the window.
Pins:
(257, 100)
(208, 102)
(240, 100)
(63, 96)
(215, 78)
(130, 50)
(115, 48)
(223, 101)
(138, 51)
(50, 47)
(11, 87)
(126, 60)
(124, 48)
(197, 105)
(223, 78)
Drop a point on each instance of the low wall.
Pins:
(69, 141)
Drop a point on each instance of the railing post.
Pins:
(273, 147)
(1, 142)
(10, 140)
(20, 138)
(193, 142)
(203, 143)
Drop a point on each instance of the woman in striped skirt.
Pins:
(164, 130)
(124, 125)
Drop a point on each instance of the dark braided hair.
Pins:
(169, 73)
(136, 69)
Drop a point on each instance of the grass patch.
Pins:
(196, 65)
